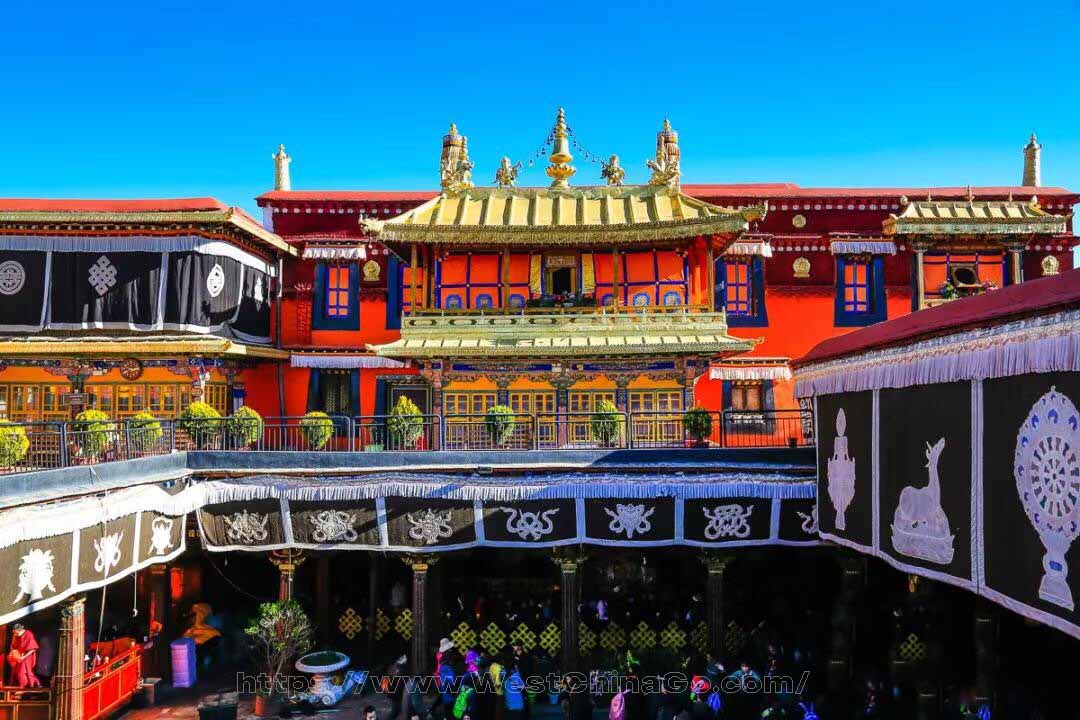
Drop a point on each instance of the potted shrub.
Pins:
(279, 633)
(201, 422)
(13, 444)
(94, 430)
(317, 428)
(144, 432)
(405, 426)
(606, 424)
(500, 423)
(697, 422)
(244, 427)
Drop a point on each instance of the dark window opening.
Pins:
(562, 281)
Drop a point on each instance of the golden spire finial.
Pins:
(970, 197)
(560, 170)
(1032, 163)
(282, 181)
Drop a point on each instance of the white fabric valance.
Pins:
(136, 243)
(343, 252)
(750, 248)
(337, 362)
(862, 247)
(749, 372)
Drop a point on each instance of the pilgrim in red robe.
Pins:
(22, 657)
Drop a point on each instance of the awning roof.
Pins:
(138, 346)
(561, 216)
(972, 217)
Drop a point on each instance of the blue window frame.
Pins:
(483, 301)
(860, 291)
(740, 290)
(453, 302)
(337, 297)
(517, 301)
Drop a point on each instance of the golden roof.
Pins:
(528, 335)
(600, 215)
(973, 217)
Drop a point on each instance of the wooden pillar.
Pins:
(616, 278)
(159, 611)
(710, 278)
(570, 560)
(67, 682)
(920, 279)
(1016, 261)
(322, 596)
(414, 302)
(287, 561)
(504, 281)
(986, 657)
(717, 564)
(420, 650)
(843, 622)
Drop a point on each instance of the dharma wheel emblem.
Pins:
(841, 472)
(12, 277)
(1047, 470)
(215, 281)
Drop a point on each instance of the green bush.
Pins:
(201, 423)
(698, 424)
(405, 426)
(279, 633)
(245, 426)
(94, 431)
(317, 429)
(606, 424)
(144, 431)
(13, 444)
(500, 424)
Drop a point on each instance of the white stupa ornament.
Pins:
(841, 472)
(1047, 470)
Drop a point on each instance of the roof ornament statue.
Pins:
(281, 169)
(560, 170)
(455, 168)
(1032, 163)
(506, 175)
(665, 169)
(612, 171)
(970, 196)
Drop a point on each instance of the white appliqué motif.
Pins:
(529, 525)
(215, 281)
(102, 275)
(161, 535)
(35, 575)
(108, 552)
(333, 526)
(247, 527)
(431, 527)
(257, 291)
(728, 521)
(12, 277)
(809, 521)
(841, 472)
(630, 519)
(920, 528)
(1047, 471)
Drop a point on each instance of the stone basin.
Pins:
(323, 662)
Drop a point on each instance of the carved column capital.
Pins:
(419, 562)
(717, 561)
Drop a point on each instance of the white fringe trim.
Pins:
(60, 518)
(862, 247)
(329, 489)
(1054, 347)
(344, 361)
(750, 248)
(749, 372)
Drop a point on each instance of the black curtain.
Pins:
(22, 289)
(105, 288)
(253, 320)
(203, 290)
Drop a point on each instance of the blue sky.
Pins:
(176, 99)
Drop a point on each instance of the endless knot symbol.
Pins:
(12, 277)
(215, 281)
(728, 521)
(102, 275)
(334, 526)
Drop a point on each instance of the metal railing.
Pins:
(58, 444)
